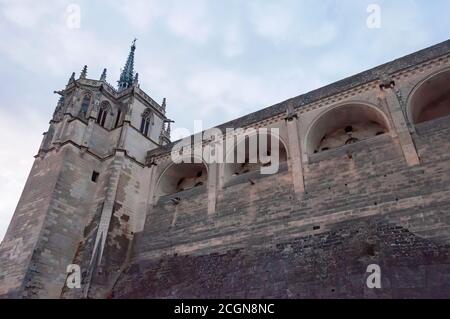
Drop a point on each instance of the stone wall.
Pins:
(310, 230)
(47, 224)
(24, 230)
(363, 205)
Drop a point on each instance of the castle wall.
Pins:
(137, 145)
(74, 131)
(371, 208)
(47, 224)
(63, 226)
(103, 142)
(309, 230)
(128, 215)
(24, 230)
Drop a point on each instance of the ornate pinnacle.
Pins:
(126, 77)
(163, 105)
(83, 72)
(72, 78)
(103, 76)
(136, 79)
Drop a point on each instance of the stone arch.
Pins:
(233, 168)
(105, 108)
(345, 124)
(176, 178)
(430, 99)
(147, 119)
(85, 103)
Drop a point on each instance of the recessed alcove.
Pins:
(431, 99)
(345, 125)
(182, 177)
(244, 163)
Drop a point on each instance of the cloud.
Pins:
(233, 44)
(139, 14)
(234, 93)
(190, 20)
(306, 23)
(50, 47)
(318, 36)
(225, 90)
(271, 20)
(26, 13)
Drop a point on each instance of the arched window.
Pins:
(431, 100)
(103, 113)
(147, 119)
(85, 105)
(119, 114)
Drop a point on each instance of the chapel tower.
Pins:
(86, 194)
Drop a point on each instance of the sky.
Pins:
(213, 60)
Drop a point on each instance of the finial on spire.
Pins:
(127, 75)
(163, 105)
(103, 76)
(83, 73)
(136, 79)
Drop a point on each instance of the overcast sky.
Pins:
(213, 60)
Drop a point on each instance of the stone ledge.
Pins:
(349, 149)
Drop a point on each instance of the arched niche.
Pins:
(85, 104)
(240, 162)
(105, 108)
(181, 177)
(431, 99)
(343, 125)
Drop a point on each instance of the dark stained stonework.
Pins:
(327, 265)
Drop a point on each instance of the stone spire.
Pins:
(103, 76)
(72, 78)
(126, 77)
(83, 73)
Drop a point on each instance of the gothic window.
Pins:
(103, 113)
(119, 113)
(147, 120)
(85, 105)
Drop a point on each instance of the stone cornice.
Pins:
(118, 96)
(93, 154)
(85, 122)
